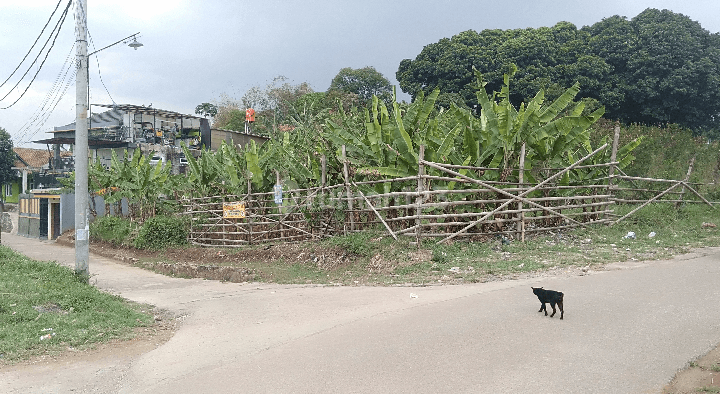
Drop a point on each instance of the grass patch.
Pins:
(375, 258)
(708, 389)
(676, 231)
(45, 308)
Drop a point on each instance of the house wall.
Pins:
(29, 216)
(67, 212)
(233, 138)
(104, 155)
(100, 208)
(14, 190)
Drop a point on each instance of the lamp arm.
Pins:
(115, 43)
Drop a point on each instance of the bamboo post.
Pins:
(419, 199)
(280, 207)
(521, 178)
(348, 191)
(323, 175)
(687, 177)
(613, 157)
(247, 210)
(224, 222)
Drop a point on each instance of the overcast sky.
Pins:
(196, 51)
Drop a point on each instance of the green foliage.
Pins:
(657, 68)
(39, 295)
(359, 244)
(664, 68)
(7, 159)
(113, 229)
(365, 82)
(547, 58)
(160, 232)
(144, 185)
(206, 109)
(664, 152)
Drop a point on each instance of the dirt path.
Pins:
(626, 330)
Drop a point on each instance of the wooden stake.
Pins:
(419, 199)
(687, 177)
(613, 156)
(247, 211)
(521, 177)
(348, 191)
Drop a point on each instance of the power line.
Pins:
(53, 96)
(48, 113)
(33, 45)
(97, 59)
(55, 31)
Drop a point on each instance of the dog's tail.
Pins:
(562, 296)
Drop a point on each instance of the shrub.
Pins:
(160, 232)
(112, 229)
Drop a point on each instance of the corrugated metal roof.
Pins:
(141, 109)
(112, 118)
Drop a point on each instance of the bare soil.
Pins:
(701, 375)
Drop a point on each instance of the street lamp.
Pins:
(82, 224)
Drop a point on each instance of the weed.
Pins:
(358, 244)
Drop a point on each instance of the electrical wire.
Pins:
(51, 99)
(98, 66)
(47, 116)
(56, 31)
(33, 45)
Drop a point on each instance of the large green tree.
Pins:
(548, 58)
(659, 67)
(365, 82)
(666, 68)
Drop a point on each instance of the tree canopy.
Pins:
(206, 109)
(366, 82)
(659, 67)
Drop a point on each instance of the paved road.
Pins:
(626, 330)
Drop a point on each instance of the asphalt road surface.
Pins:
(628, 329)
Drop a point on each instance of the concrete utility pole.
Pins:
(82, 225)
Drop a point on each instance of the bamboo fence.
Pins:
(424, 206)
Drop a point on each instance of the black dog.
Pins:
(549, 296)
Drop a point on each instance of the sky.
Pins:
(200, 51)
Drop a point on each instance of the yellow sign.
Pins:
(234, 210)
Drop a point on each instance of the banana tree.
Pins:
(390, 143)
(550, 138)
